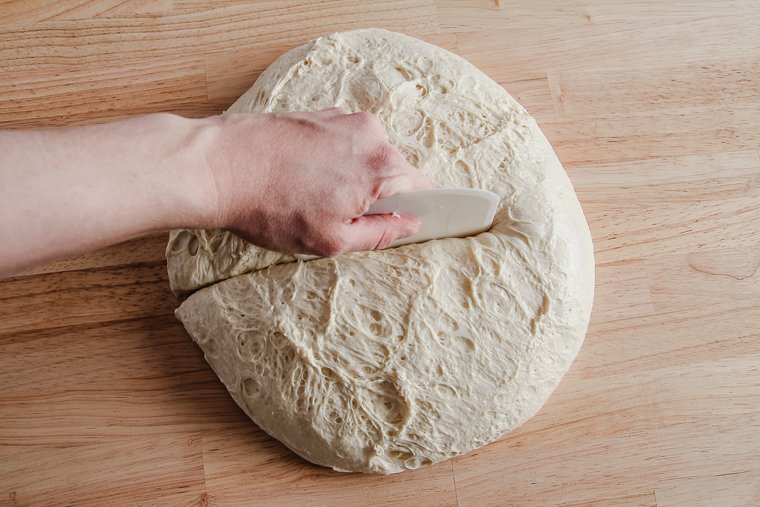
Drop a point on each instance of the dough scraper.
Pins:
(442, 212)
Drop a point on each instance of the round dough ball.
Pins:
(390, 360)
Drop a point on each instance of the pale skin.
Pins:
(294, 182)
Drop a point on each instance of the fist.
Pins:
(301, 182)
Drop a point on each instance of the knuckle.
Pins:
(368, 122)
(364, 118)
(338, 110)
(379, 158)
(385, 239)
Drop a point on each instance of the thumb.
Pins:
(375, 232)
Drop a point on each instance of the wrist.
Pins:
(188, 170)
(234, 152)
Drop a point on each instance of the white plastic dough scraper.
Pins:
(442, 212)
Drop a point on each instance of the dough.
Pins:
(387, 361)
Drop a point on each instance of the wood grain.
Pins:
(652, 106)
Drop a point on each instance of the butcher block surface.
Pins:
(652, 106)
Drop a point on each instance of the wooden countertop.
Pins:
(654, 108)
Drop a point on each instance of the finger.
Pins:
(367, 125)
(402, 176)
(375, 232)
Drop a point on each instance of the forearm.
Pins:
(66, 191)
(292, 182)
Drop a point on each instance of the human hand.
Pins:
(301, 182)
